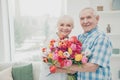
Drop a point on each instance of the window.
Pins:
(31, 21)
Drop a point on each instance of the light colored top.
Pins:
(100, 48)
(45, 67)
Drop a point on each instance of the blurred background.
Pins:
(26, 24)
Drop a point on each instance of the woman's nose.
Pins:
(65, 27)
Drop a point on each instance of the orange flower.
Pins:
(50, 55)
(60, 53)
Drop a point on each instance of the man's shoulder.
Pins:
(101, 34)
(79, 35)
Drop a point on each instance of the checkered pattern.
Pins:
(101, 49)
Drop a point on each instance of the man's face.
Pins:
(88, 20)
(65, 27)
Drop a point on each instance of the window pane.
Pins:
(33, 21)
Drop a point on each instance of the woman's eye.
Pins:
(61, 24)
(68, 25)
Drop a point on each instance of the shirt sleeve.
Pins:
(101, 52)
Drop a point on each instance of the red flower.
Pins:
(73, 39)
(43, 49)
(52, 69)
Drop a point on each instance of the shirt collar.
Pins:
(90, 32)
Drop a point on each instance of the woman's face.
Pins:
(65, 27)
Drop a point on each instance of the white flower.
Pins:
(56, 44)
(66, 54)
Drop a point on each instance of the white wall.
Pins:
(115, 67)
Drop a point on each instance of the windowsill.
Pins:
(33, 55)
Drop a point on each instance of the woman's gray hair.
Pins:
(66, 17)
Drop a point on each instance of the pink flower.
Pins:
(67, 63)
(55, 56)
(73, 47)
(84, 59)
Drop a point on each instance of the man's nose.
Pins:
(85, 20)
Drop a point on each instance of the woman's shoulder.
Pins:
(52, 36)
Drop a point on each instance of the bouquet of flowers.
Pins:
(64, 53)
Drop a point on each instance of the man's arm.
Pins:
(88, 67)
(64, 70)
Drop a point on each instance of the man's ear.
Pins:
(97, 17)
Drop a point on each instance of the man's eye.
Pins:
(81, 18)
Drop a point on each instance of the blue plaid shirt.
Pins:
(100, 49)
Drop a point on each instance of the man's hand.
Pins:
(65, 70)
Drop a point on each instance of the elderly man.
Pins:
(99, 47)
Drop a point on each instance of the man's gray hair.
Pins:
(89, 8)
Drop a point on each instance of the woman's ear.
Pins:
(72, 26)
